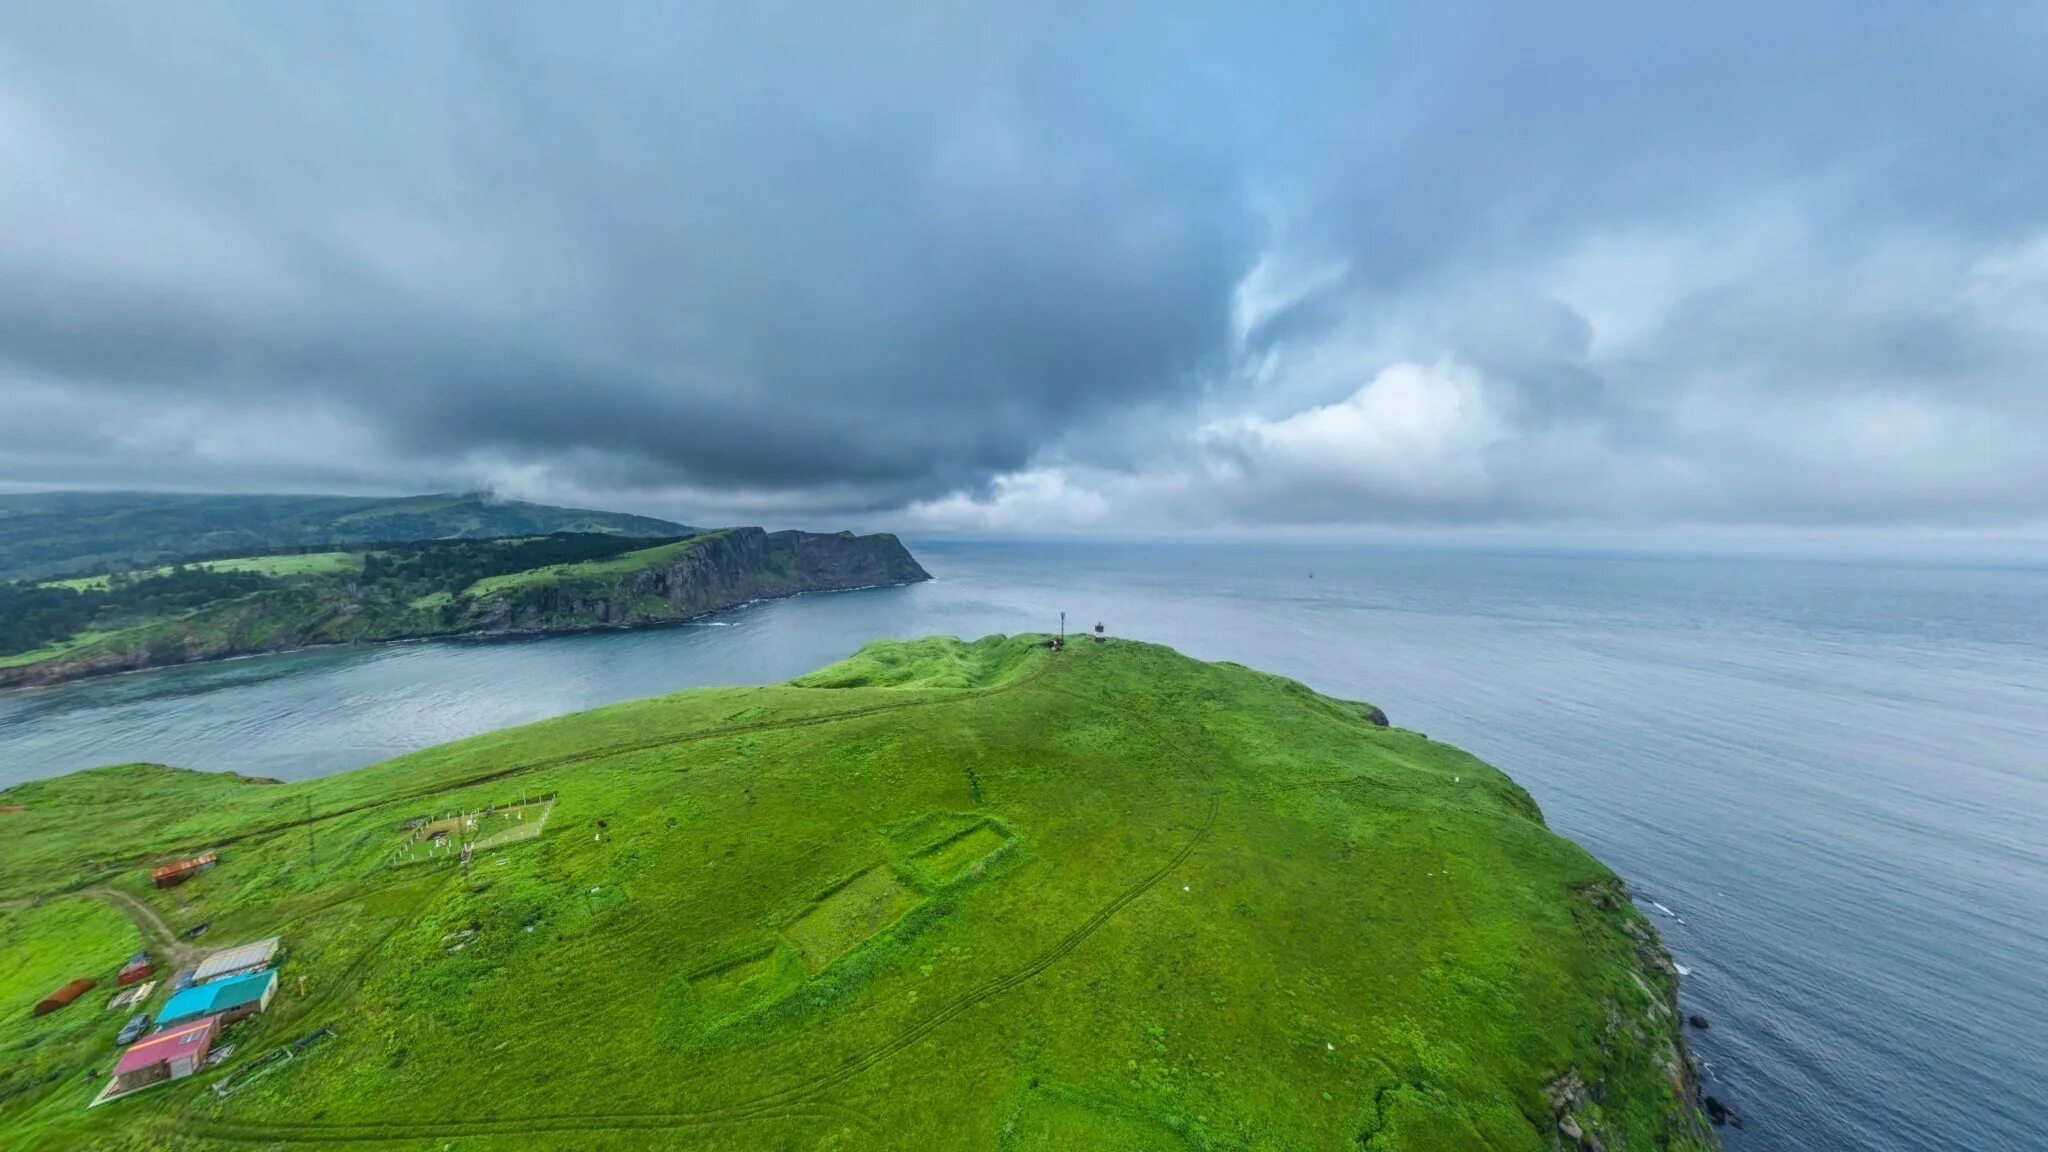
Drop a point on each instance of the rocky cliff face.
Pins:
(689, 578)
(1644, 1024)
(717, 571)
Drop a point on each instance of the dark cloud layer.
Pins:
(1028, 268)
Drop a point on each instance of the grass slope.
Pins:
(943, 895)
(48, 946)
(58, 649)
(658, 556)
(295, 564)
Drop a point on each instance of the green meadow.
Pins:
(942, 895)
(303, 564)
(644, 558)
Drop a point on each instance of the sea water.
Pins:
(1833, 775)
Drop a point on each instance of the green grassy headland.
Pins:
(942, 895)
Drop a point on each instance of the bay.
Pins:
(1832, 773)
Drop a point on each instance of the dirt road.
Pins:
(170, 952)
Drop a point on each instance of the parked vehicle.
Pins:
(133, 1029)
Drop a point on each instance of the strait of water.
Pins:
(1835, 775)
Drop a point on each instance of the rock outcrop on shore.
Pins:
(717, 571)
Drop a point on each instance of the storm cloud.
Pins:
(1043, 270)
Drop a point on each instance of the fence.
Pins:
(464, 833)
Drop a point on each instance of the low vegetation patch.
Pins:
(839, 921)
(958, 855)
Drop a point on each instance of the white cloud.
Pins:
(1042, 499)
(1414, 433)
(932, 272)
(1743, 374)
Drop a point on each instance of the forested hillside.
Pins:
(53, 534)
(62, 629)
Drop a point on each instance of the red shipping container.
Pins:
(63, 996)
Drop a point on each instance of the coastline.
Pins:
(471, 636)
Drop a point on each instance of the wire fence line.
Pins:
(460, 834)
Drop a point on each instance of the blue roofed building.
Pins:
(231, 999)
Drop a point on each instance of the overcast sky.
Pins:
(1628, 267)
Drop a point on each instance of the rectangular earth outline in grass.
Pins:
(1057, 1119)
(953, 858)
(735, 985)
(840, 920)
(734, 973)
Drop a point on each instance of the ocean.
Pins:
(1834, 775)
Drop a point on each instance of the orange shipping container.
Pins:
(171, 875)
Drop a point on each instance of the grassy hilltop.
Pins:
(943, 895)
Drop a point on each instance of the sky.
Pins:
(1614, 269)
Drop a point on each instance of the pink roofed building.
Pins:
(171, 1054)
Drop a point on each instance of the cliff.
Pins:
(668, 582)
(704, 574)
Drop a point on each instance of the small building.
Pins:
(172, 875)
(63, 996)
(237, 960)
(229, 999)
(137, 968)
(172, 1054)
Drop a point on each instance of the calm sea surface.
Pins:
(1835, 775)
